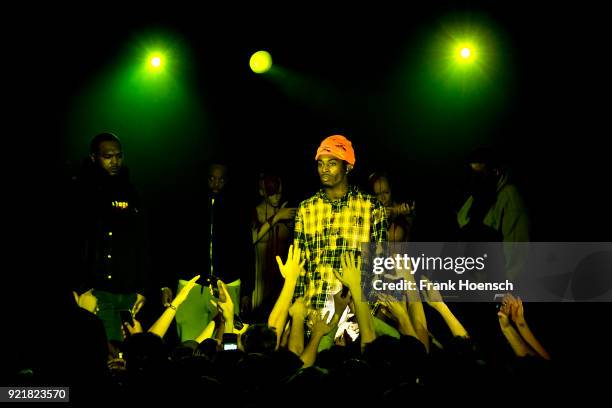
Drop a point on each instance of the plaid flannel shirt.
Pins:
(324, 230)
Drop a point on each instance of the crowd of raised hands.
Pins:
(293, 321)
(351, 324)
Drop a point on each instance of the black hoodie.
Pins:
(110, 233)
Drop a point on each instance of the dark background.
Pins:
(552, 125)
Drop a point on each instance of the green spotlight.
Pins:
(465, 52)
(155, 62)
(260, 62)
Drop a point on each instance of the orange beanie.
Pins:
(339, 147)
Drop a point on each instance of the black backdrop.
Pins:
(554, 129)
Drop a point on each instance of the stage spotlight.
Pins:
(260, 62)
(155, 62)
(464, 53)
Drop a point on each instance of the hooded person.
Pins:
(112, 261)
(495, 210)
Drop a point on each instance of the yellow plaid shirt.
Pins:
(324, 230)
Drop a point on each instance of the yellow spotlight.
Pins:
(464, 53)
(260, 62)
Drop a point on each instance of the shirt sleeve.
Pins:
(299, 241)
(379, 222)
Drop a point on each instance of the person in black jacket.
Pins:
(110, 229)
(216, 244)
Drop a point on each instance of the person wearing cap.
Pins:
(337, 219)
(495, 210)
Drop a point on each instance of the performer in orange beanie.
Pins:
(336, 220)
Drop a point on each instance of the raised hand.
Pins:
(166, 296)
(397, 307)
(129, 330)
(225, 304)
(516, 310)
(406, 208)
(351, 272)
(292, 268)
(320, 327)
(140, 301)
(182, 295)
(284, 213)
(402, 209)
(503, 313)
(88, 301)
